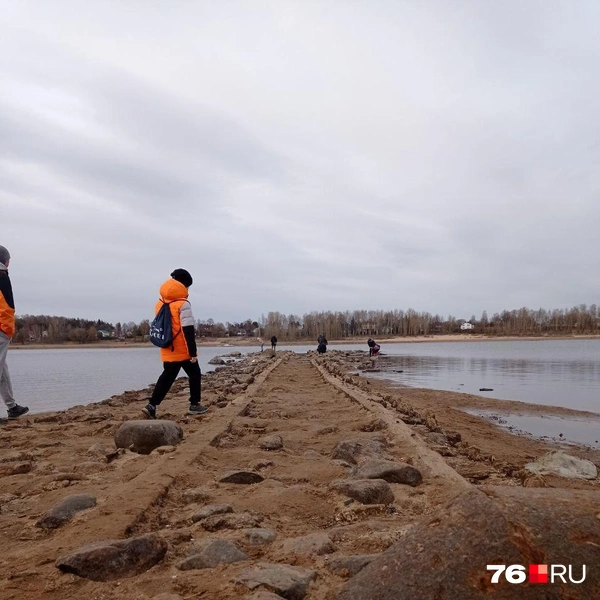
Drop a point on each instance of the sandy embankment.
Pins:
(313, 405)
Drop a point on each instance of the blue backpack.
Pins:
(161, 330)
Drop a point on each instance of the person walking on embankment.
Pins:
(182, 352)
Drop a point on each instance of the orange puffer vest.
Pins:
(176, 293)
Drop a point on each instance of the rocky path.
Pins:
(296, 480)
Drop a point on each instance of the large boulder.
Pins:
(365, 491)
(114, 559)
(286, 581)
(211, 554)
(445, 556)
(563, 465)
(354, 449)
(146, 435)
(259, 537)
(392, 472)
(65, 510)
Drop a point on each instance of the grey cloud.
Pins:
(435, 155)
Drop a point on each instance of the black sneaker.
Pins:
(196, 409)
(16, 411)
(150, 411)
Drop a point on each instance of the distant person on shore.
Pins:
(262, 344)
(322, 344)
(182, 353)
(273, 342)
(7, 330)
(374, 348)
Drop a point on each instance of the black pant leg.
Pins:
(192, 370)
(165, 381)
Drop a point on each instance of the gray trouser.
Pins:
(5, 385)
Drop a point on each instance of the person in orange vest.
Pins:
(7, 330)
(182, 354)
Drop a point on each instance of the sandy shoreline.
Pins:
(243, 342)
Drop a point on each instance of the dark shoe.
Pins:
(16, 411)
(196, 409)
(150, 411)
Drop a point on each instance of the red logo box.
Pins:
(538, 573)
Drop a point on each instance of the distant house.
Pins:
(103, 334)
(467, 325)
(205, 330)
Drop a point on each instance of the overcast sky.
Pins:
(299, 156)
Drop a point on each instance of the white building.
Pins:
(467, 325)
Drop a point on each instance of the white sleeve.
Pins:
(186, 316)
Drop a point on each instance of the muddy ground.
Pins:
(313, 403)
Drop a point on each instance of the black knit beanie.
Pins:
(4, 255)
(182, 276)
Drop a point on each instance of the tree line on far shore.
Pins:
(579, 320)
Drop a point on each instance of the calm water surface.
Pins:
(552, 372)
(556, 373)
(57, 379)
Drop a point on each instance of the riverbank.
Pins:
(293, 427)
(253, 342)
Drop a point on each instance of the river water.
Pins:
(551, 372)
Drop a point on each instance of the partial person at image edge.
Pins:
(182, 354)
(7, 330)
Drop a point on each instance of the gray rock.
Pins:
(351, 450)
(210, 510)
(314, 544)
(65, 509)
(271, 442)
(365, 491)
(241, 477)
(563, 465)
(216, 361)
(350, 564)
(392, 472)
(445, 555)
(232, 521)
(286, 581)
(213, 553)
(114, 559)
(199, 494)
(259, 536)
(146, 435)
